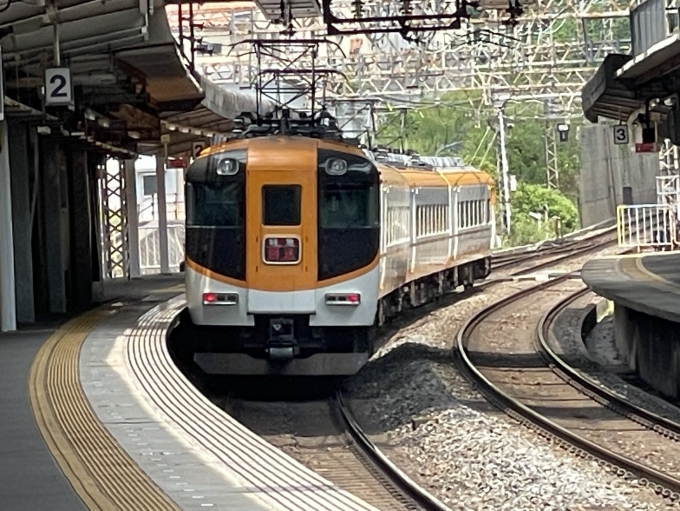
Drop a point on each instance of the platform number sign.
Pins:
(197, 147)
(58, 86)
(621, 134)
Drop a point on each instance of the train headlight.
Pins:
(352, 299)
(336, 166)
(220, 298)
(227, 167)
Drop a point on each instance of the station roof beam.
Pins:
(624, 84)
(125, 66)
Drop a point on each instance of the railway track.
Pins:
(554, 254)
(520, 374)
(322, 434)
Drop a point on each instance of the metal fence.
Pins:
(150, 248)
(647, 226)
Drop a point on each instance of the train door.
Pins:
(281, 226)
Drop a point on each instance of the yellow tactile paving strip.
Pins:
(101, 473)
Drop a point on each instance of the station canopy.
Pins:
(130, 82)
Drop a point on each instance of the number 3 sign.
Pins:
(621, 134)
(58, 86)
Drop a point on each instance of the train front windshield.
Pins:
(348, 205)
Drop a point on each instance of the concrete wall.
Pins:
(606, 169)
(651, 347)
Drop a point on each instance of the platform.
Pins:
(97, 416)
(645, 291)
(647, 283)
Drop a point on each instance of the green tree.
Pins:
(541, 199)
(451, 127)
(549, 204)
(470, 131)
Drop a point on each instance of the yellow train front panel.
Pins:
(301, 238)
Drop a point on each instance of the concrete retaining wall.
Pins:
(651, 347)
(606, 169)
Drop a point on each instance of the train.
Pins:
(299, 248)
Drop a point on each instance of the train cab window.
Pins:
(281, 204)
(215, 206)
(348, 205)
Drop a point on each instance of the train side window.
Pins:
(281, 204)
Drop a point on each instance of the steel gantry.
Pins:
(113, 218)
(548, 55)
(555, 47)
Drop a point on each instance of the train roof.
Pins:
(273, 142)
(395, 168)
(434, 178)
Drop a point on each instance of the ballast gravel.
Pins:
(458, 447)
(601, 348)
(426, 417)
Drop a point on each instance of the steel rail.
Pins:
(586, 385)
(572, 249)
(534, 420)
(383, 464)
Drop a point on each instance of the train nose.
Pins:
(281, 229)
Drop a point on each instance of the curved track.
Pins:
(318, 430)
(519, 373)
(321, 433)
(554, 254)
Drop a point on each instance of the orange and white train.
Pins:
(298, 248)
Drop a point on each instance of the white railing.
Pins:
(147, 210)
(149, 248)
(647, 226)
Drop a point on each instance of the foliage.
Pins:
(526, 231)
(462, 118)
(541, 199)
(452, 126)
(550, 204)
(455, 126)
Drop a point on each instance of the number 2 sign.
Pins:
(58, 86)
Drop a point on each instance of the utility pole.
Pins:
(499, 100)
(551, 110)
(504, 169)
(551, 161)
